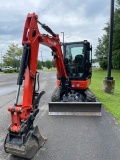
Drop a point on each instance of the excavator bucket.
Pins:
(25, 147)
(75, 108)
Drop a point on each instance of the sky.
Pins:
(78, 19)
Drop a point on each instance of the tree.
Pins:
(39, 65)
(43, 63)
(13, 56)
(116, 39)
(102, 48)
(94, 60)
(101, 51)
(53, 63)
(48, 64)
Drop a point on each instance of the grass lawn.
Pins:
(110, 101)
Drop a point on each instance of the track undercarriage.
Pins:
(75, 102)
(73, 96)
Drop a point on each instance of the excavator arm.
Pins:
(24, 138)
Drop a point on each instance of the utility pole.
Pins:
(63, 36)
(1, 59)
(108, 82)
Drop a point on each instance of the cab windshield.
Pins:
(74, 59)
(73, 50)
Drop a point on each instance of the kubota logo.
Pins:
(53, 43)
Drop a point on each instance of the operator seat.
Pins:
(79, 59)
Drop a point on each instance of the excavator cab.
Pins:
(72, 95)
(78, 58)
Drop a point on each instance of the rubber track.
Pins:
(90, 97)
(56, 95)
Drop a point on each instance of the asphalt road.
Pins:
(7, 83)
(68, 137)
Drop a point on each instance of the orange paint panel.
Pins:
(58, 82)
(75, 84)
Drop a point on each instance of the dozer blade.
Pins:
(75, 108)
(24, 147)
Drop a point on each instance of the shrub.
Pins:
(103, 64)
(16, 70)
(8, 71)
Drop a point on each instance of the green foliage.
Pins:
(43, 63)
(53, 64)
(103, 64)
(101, 51)
(94, 60)
(116, 59)
(16, 70)
(39, 65)
(8, 71)
(102, 48)
(48, 64)
(13, 56)
(13, 70)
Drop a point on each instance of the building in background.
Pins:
(96, 65)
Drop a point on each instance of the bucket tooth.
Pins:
(25, 147)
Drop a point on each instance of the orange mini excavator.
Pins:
(71, 96)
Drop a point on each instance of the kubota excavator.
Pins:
(70, 96)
